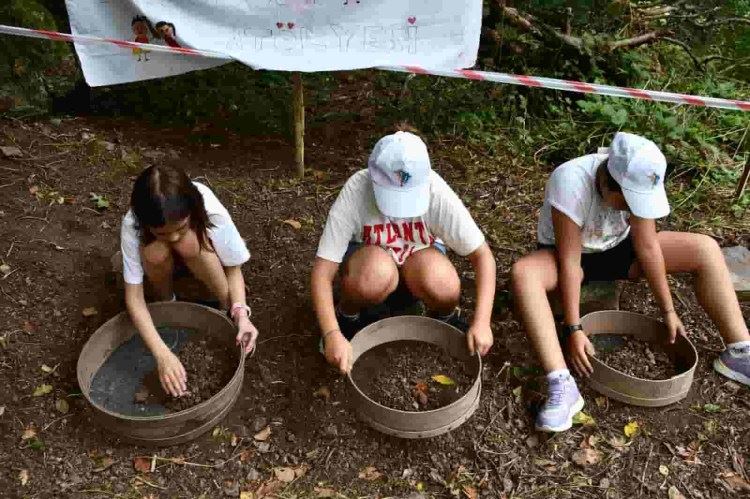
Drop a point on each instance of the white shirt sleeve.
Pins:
(227, 241)
(343, 219)
(130, 247)
(569, 190)
(450, 220)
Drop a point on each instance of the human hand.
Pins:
(247, 334)
(338, 351)
(172, 374)
(479, 338)
(579, 350)
(674, 325)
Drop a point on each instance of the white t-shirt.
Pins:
(226, 239)
(571, 189)
(355, 217)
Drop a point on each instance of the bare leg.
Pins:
(534, 276)
(701, 256)
(368, 277)
(431, 277)
(158, 266)
(205, 266)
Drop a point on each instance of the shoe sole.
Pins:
(575, 409)
(722, 369)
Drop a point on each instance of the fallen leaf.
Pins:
(23, 476)
(263, 434)
(28, 326)
(11, 152)
(370, 474)
(105, 463)
(324, 492)
(323, 393)
(90, 311)
(246, 455)
(601, 402)
(443, 380)
(49, 370)
(664, 470)
(587, 457)
(689, 453)
(33, 190)
(100, 202)
(631, 429)
(470, 492)
(2, 410)
(735, 481)
(583, 419)
(284, 475)
(518, 393)
(300, 470)
(247, 495)
(674, 493)
(28, 433)
(293, 224)
(618, 443)
(234, 440)
(142, 464)
(42, 390)
(711, 408)
(5, 269)
(419, 392)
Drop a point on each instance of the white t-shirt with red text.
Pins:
(355, 217)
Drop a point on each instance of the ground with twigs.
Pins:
(292, 432)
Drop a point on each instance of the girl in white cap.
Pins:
(598, 224)
(390, 227)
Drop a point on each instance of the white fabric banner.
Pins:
(288, 35)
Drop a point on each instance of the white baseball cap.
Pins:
(639, 167)
(399, 167)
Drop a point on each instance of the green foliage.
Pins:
(32, 71)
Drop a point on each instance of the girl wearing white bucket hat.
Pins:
(598, 223)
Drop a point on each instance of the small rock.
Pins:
(11, 151)
(23, 303)
(532, 441)
(231, 489)
(507, 485)
(604, 483)
(55, 121)
(252, 475)
(331, 431)
(263, 447)
(259, 423)
(290, 437)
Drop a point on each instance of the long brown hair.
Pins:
(164, 194)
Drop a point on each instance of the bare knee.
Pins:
(535, 271)
(708, 249)
(441, 288)
(372, 280)
(188, 246)
(156, 254)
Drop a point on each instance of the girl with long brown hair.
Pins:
(172, 219)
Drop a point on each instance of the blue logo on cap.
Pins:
(403, 177)
(654, 178)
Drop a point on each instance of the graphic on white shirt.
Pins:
(354, 217)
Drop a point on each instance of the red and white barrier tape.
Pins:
(511, 79)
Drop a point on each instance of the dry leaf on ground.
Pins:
(284, 475)
(62, 406)
(583, 419)
(23, 476)
(663, 470)
(735, 481)
(674, 493)
(42, 390)
(104, 464)
(323, 393)
(370, 474)
(89, 311)
(263, 434)
(11, 151)
(293, 224)
(28, 433)
(245, 494)
(470, 492)
(443, 380)
(587, 457)
(324, 492)
(631, 429)
(142, 464)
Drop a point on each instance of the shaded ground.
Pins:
(58, 256)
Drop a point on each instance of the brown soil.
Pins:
(210, 365)
(59, 255)
(399, 375)
(638, 358)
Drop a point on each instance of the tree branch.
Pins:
(686, 48)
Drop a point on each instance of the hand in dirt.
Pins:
(172, 374)
(579, 350)
(247, 333)
(480, 339)
(674, 326)
(338, 351)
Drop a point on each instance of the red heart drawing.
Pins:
(290, 25)
(412, 19)
(279, 25)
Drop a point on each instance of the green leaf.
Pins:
(711, 408)
(42, 390)
(101, 202)
(443, 380)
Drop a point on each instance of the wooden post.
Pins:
(743, 180)
(298, 117)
